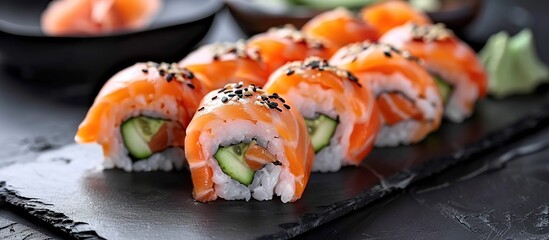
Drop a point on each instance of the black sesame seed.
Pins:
(221, 90)
(239, 85)
(394, 49)
(144, 70)
(287, 106)
(352, 77)
(190, 85)
(314, 64)
(162, 72)
(231, 95)
(240, 95)
(224, 99)
(278, 109)
(275, 94)
(264, 98)
(215, 57)
(282, 100)
(272, 104)
(200, 109)
(387, 53)
(228, 91)
(239, 91)
(290, 72)
(190, 75)
(277, 163)
(214, 98)
(170, 77)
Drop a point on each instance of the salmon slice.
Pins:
(339, 27)
(93, 17)
(448, 58)
(314, 82)
(279, 46)
(251, 105)
(257, 156)
(387, 15)
(396, 108)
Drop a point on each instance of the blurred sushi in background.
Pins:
(281, 45)
(389, 14)
(340, 27)
(97, 17)
(219, 64)
(457, 70)
(407, 96)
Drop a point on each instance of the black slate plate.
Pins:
(179, 25)
(502, 195)
(65, 189)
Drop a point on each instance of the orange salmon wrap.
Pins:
(340, 112)
(244, 143)
(221, 63)
(455, 65)
(339, 27)
(163, 93)
(387, 15)
(279, 46)
(407, 96)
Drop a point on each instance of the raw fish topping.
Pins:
(172, 72)
(320, 64)
(290, 32)
(239, 49)
(237, 91)
(431, 33)
(353, 50)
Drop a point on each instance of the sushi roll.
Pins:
(244, 143)
(459, 74)
(387, 15)
(140, 115)
(221, 63)
(281, 45)
(339, 27)
(340, 113)
(407, 96)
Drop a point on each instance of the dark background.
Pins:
(512, 202)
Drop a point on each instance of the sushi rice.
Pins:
(268, 181)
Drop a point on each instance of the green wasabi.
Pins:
(512, 64)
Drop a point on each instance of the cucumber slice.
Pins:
(444, 88)
(137, 132)
(321, 129)
(232, 162)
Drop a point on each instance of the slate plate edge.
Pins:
(518, 130)
(38, 211)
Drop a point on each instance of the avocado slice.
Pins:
(321, 129)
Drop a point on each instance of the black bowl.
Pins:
(179, 25)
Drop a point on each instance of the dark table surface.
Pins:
(470, 201)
